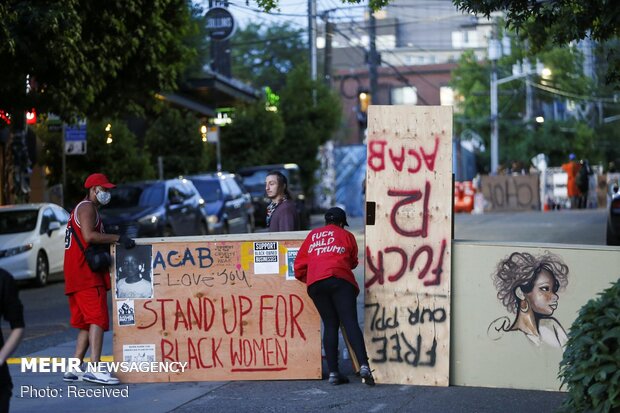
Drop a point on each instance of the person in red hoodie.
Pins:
(325, 262)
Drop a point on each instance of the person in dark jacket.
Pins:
(325, 262)
(11, 310)
(282, 211)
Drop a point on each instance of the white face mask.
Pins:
(103, 197)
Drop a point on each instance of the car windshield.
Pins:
(129, 196)
(209, 189)
(255, 181)
(12, 222)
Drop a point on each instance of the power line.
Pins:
(574, 95)
(422, 78)
(399, 75)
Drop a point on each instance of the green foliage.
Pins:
(90, 58)
(196, 40)
(254, 138)
(175, 135)
(307, 125)
(271, 5)
(560, 22)
(121, 160)
(519, 141)
(263, 56)
(290, 135)
(590, 367)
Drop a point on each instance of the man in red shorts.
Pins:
(85, 288)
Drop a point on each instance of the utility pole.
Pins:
(494, 120)
(312, 37)
(529, 101)
(494, 54)
(329, 34)
(372, 55)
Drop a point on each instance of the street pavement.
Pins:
(47, 392)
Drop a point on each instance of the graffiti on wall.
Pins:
(528, 286)
(511, 193)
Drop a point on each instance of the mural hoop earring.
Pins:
(524, 309)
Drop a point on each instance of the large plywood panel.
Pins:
(489, 351)
(511, 192)
(408, 249)
(229, 311)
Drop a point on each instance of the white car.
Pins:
(32, 240)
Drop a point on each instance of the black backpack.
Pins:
(582, 178)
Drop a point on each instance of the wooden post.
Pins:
(408, 243)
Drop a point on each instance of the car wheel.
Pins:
(204, 228)
(167, 232)
(43, 269)
(611, 239)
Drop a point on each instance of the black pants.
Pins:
(335, 299)
(5, 397)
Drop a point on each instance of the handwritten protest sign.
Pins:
(210, 309)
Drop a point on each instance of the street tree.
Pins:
(311, 112)
(520, 140)
(86, 59)
(175, 136)
(561, 22)
(113, 151)
(90, 58)
(255, 137)
(264, 55)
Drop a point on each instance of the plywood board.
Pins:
(209, 308)
(408, 249)
(511, 192)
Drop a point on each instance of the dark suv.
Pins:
(155, 209)
(228, 205)
(254, 180)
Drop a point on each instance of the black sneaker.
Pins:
(366, 375)
(336, 378)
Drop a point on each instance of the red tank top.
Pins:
(78, 275)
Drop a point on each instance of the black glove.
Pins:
(127, 242)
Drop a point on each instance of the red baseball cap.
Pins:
(98, 180)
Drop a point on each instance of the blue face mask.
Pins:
(103, 197)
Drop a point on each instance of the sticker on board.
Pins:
(291, 254)
(138, 353)
(266, 257)
(126, 313)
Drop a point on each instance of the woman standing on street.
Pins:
(325, 262)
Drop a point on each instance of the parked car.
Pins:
(228, 205)
(32, 241)
(155, 209)
(254, 180)
(613, 218)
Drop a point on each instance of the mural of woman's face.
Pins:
(542, 299)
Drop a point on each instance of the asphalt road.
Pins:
(47, 312)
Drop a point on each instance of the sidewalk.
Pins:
(265, 396)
